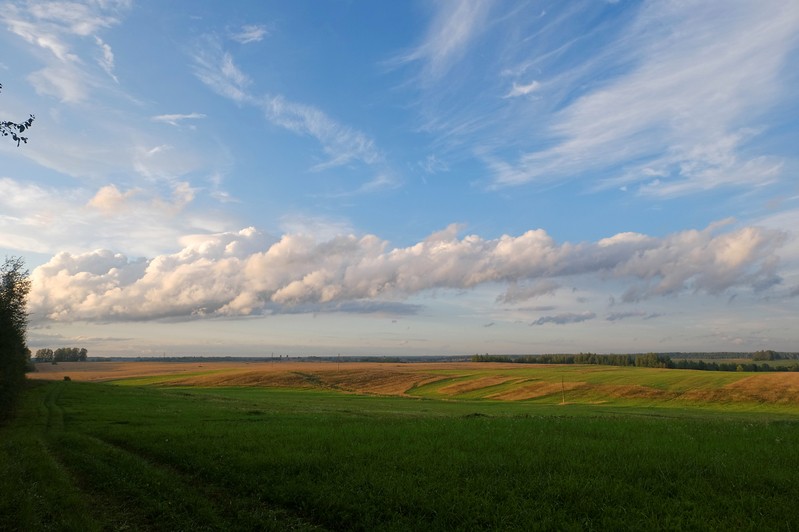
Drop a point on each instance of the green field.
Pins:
(88, 456)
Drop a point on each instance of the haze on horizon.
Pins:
(404, 178)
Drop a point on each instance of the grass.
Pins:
(86, 456)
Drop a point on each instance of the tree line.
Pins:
(62, 354)
(648, 360)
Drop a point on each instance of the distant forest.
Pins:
(697, 361)
(62, 354)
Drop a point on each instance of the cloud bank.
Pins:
(245, 273)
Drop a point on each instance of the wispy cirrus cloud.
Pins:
(523, 90)
(341, 144)
(106, 62)
(680, 116)
(452, 30)
(249, 33)
(60, 28)
(216, 69)
(177, 119)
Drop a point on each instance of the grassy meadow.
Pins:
(405, 447)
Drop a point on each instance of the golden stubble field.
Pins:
(456, 380)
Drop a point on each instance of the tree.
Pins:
(15, 129)
(14, 288)
(766, 354)
(44, 355)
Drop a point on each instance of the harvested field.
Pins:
(535, 390)
(458, 381)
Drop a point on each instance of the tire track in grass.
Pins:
(55, 414)
(240, 511)
(55, 501)
(133, 491)
(125, 492)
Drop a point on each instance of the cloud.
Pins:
(616, 316)
(452, 30)
(244, 273)
(67, 83)
(42, 219)
(679, 117)
(523, 90)
(517, 292)
(342, 144)
(216, 69)
(249, 33)
(58, 28)
(433, 165)
(566, 317)
(177, 119)
(106, 62)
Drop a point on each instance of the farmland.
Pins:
(400, 446)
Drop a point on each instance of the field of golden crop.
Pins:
(460, 381)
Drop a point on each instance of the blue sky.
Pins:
(404, 177)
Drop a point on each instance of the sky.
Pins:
(403, 178)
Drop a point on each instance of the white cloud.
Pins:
(106, 62)
(679, 119)
(59, 28)
(216, 69)
(42, 219)
(81, 19)
(66, 83)
(452, 30)
(177, 119)
(249, 33)
(523, 90)
(341, 144)
(245, 273)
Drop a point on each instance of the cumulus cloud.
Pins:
(244, 273)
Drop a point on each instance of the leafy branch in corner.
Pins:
(14, 129)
